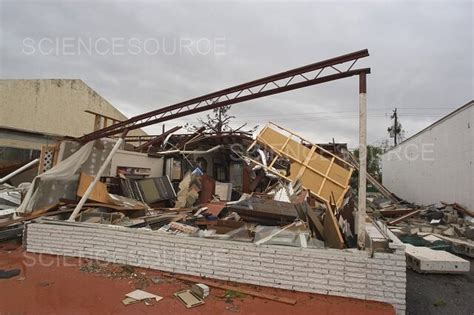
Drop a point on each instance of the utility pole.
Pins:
(396, 129)
(395, 126)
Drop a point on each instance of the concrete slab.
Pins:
(431, 238)
(462, 247)
(427, 260)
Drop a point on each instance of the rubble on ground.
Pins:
(280, 189)
(432, 233)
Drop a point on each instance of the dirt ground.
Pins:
(440, 294)
(58, 285)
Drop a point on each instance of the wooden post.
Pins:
(362, 160)
(97, 122)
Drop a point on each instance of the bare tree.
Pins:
(218, 121)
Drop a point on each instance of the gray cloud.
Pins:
(421, 57)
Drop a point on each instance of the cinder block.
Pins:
(278, 264)
(354, 270)
(375, 277)
(352, 275)
(373, 293)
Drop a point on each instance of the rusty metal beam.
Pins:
(282, 82)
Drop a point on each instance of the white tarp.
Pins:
(62, 171)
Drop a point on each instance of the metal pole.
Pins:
(362, 160)
(395, 128)
(83, 200)
(18, 171)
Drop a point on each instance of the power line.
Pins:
(356, 113)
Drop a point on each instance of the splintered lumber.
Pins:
(381, 188)
(393, 211)
(406, 216)
(108, 206)
(313, 219)
(34, 216)
(266, 210)
(215, 284)
(332, 234)
(41, 211)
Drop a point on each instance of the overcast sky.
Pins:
(142, 56)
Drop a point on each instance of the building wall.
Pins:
(53, 107)
(347, 273)
(435, 165)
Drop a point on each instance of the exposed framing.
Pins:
(329, 174)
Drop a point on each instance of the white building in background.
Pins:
(436, 164)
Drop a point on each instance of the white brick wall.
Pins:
(347, 273)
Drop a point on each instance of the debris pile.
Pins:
(434, 235)
(277, 189)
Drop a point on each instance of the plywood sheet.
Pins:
(99, 193)
(332, 234)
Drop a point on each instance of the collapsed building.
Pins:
(271, 209)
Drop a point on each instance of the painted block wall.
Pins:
(346, 273)
(435, 165)
(53, 107)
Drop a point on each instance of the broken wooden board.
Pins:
(109, 206)
(140, 295)
(32, 217)
(41, 211)
(215, 284)
(394, 211)
(426, 260)
(332, 234)
(406, 216)
(189, 298)
(99, 193)
(314, 220)
(262, 210)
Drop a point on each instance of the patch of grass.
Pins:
(233, 294)
(439, 303)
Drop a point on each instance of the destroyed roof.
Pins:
(213, 138)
